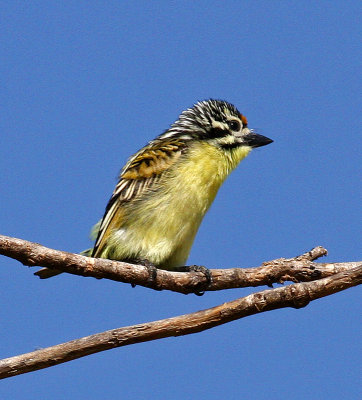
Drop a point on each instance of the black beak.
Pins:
(255, 140)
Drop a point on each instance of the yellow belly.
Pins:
(161, 227)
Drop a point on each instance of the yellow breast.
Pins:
(162, 226)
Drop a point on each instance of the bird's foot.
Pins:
(201, 286)
(152, 273)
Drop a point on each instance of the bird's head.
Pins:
(217, 122)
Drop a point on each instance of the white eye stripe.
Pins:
(218, 124)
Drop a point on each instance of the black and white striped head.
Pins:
(217, 122)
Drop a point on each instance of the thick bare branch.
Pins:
(298, 269)
(296, 295)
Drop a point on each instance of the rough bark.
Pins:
(318, 279)
(297, 269)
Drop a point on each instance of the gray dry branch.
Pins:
(319, 280)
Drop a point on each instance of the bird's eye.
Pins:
(234, 125)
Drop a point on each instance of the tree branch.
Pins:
(298, 269)
(296, 296)
(320, 280)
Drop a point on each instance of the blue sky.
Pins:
(86, 84)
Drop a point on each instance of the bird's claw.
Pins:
(152, 273)
(201, 285)
(208, 276)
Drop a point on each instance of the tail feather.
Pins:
(46, 273)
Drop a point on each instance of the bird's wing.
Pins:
(137, 177)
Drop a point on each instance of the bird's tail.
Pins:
(46, 273)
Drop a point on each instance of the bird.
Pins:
(165, 189)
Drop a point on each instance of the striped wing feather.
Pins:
(140, 174)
